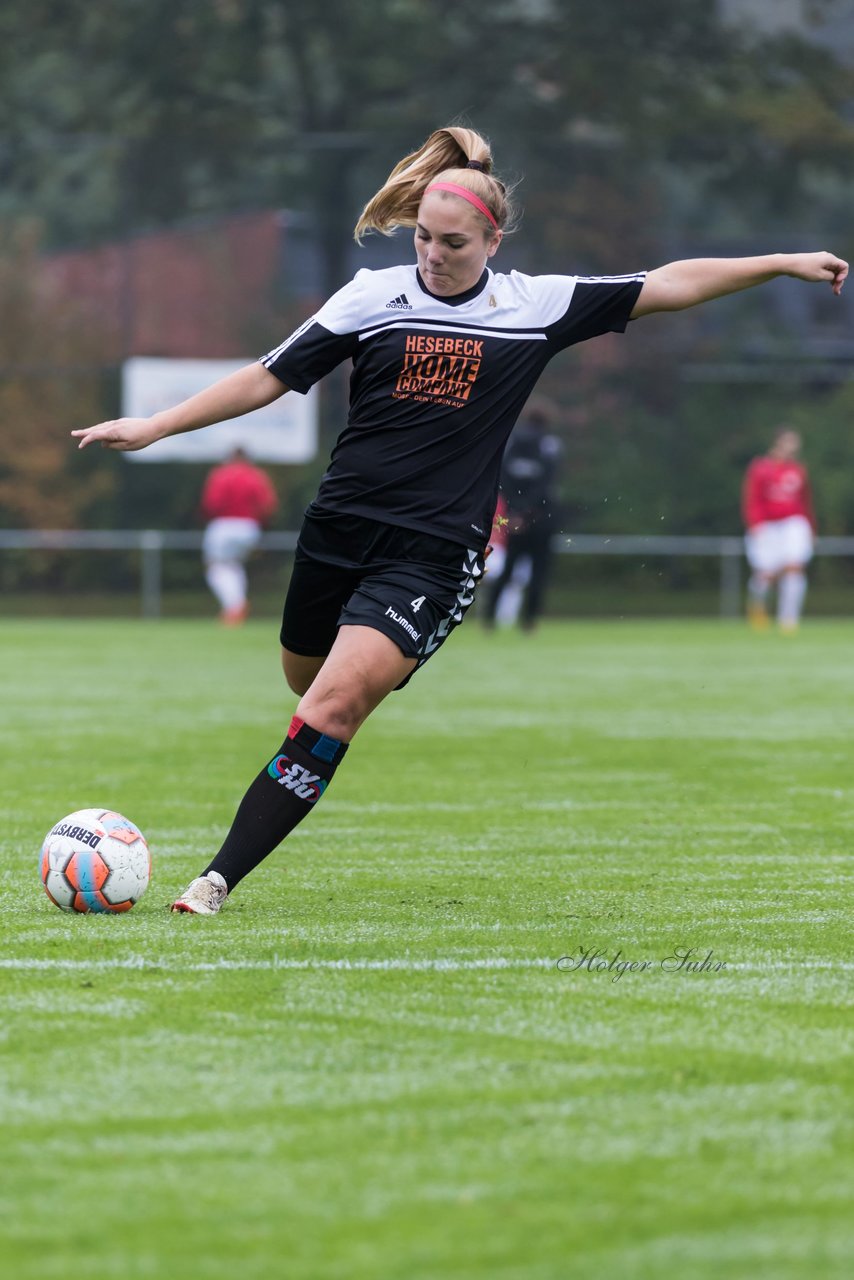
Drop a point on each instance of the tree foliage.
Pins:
(637, 128)
(140, 112)
(51, 378)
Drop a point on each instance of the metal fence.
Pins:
(153, 543)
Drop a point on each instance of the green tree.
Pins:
(626, 117)
(641, 130)
(48, 378)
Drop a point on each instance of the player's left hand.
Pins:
(818, 267)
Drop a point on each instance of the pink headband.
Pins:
(466, 195)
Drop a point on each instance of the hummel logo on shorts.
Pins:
(400, 303)
(407, 626)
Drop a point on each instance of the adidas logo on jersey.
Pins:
(400, 303)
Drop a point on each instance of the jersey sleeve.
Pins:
(599, 304)
(211, 490)
(266, 498)
(751, 498)
(809, 505)
(324, 341)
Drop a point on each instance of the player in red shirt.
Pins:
(510, 598)
(778, 515)
(237, 500)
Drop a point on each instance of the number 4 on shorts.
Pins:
(416, 604)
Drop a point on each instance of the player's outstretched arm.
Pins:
(248, 388)
(694, 280)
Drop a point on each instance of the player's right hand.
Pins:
(124, 434)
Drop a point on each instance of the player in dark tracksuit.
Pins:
(444, 354)
(528, 489)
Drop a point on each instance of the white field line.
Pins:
(439, 964)
(402, 964)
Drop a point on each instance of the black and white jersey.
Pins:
(437, 384)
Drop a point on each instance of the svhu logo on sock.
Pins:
(289, 774)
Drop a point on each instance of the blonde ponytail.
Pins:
(445, 155)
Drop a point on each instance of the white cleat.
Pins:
(203, 896)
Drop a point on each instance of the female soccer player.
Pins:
(778, 515)
(445, 353)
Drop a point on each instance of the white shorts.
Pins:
(777, 543)
(497, 560)
(229, 538)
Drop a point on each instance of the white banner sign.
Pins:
(284, 431)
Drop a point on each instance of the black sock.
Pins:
(280, 797)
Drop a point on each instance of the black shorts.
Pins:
(348, 570)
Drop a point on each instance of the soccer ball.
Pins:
(95, 860)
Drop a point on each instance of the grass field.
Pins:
(371, 1065)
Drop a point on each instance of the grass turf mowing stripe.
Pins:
(271, 1093)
